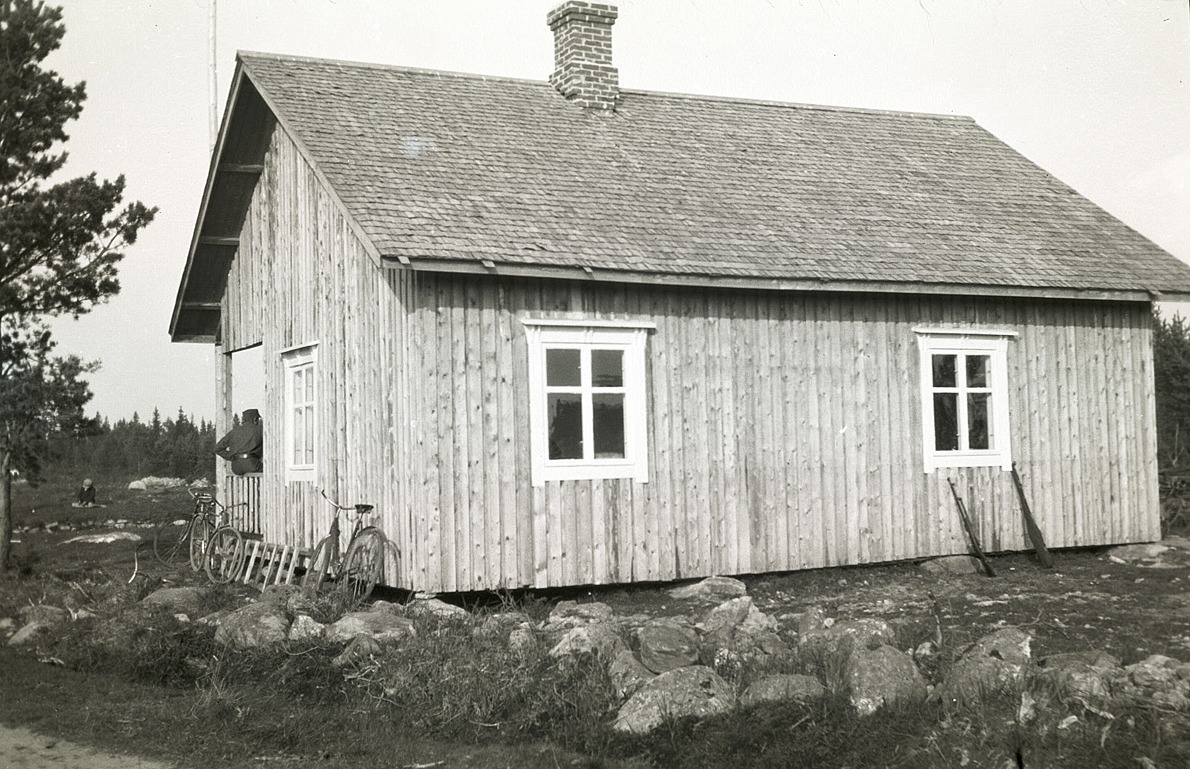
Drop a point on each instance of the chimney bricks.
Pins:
(583, 70)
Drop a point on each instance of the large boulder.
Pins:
(306, 628)
(44, 614)
(282, 595)
(384, 627)
(738, 633)
(1163, 680)
(434, 607)
(104, 538)
(29, 633)
(843, 637)
(1149, 554)
(883, 676)
(789, 687)
(627, 674)
(711, 588)
(691, 691)
(37, 620)
(995, 663)
(599, 640)
(257, 624)
(956, 565)
(179, 600)
(738, 613)
(155, 483)
(667, 645)
(568, 614)
(1087, 676)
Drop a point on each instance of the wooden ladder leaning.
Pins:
(270, 563)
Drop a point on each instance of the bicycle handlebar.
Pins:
(203, 496)
(359, 509)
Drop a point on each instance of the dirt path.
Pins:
(23, 749)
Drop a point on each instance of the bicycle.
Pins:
(359, 569)
(225, 554)
(169, 543)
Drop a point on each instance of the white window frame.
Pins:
(302, 359)
(628, 336)
(962, 342)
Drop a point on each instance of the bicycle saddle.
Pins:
(364, 509)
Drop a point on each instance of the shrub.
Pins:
(460, 682)
(143, 644)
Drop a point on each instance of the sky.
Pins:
(1094, 91)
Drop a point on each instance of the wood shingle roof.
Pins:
(454, 167)
(450, 169)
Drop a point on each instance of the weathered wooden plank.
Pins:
(655, 555)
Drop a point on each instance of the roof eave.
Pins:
(488, 267)
(216, 156)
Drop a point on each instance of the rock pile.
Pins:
(718, 653)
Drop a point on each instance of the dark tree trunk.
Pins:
(5, 510)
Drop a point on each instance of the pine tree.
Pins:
(59, 246)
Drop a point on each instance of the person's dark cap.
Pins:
(251, 415)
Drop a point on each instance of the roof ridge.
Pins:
(799, 105)
(242, 55)
(245, 55)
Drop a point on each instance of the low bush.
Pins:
(459, 681)
(141, 643)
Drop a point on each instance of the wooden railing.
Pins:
(241, 494)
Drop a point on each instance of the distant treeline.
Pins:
(173, 448)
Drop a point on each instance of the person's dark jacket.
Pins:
(243, 446)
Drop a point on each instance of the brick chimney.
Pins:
(583, 70)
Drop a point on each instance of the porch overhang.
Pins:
(236, 165)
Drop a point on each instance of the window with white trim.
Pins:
(587, 400)
(301, 390)
(964, 398)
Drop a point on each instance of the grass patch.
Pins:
(458, 680)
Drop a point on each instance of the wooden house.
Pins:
(566, 333)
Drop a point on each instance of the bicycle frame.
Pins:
(335, 532)
(360, 564)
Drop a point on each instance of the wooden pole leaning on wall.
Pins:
(971, 536)
(1043, 554)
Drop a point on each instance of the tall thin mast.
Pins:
(212, 83)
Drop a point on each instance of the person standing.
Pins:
(243, 446)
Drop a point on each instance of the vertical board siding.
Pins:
(302, 277)
(784, 433)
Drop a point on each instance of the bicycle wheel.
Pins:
(200, 535)
(364, 562)
(225, 555)
(316, 567)
(169, 541)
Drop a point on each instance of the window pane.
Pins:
(562, 368)
(608, 422)
(565, 425)
(978, 408)
(309, 442)
(607, 368)
(946, 419)
(298, 436)
(978, 367)
(944, 370)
